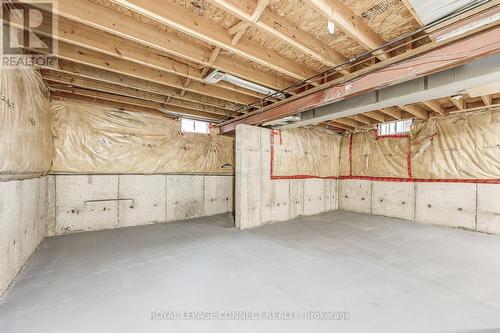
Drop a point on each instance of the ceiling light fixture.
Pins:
(216, 76)
(331, 27)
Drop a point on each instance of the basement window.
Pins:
(400, 127)
(194, 126)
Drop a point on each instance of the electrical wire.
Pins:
(357, 59)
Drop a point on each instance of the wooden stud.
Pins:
(436, 107)
(416, 111)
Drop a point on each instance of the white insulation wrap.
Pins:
(25, 137)
(91, 139)
(305, 152)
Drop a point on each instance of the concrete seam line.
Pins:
(166, 197)
(477, 202)
(118, 202)
(414, 201)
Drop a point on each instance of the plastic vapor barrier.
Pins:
(461, 146)
(345, 161)
(379, 157)
(97, 140)
(305, 152)
(25, 138)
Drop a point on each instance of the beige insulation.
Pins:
(372, 157)
(306, 151)
(25, 138)
(461, 146)
(345, 166)
(93, 140)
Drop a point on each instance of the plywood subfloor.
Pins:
(391, 275)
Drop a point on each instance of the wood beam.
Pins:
(104, 62)
(412, 11)
(458, 102)
(416, 111)
(203, 28)
(213, 57)
(56, 95)
(348, 122)
(353, 25)
(392, 112)
(487, 100)
(137, 94)
(241, 25)
(93, 58)
(376, 115)
(342, 126)
(99, 95)
(108, 20)
(422, 61)
(241, 29)
(279, 28)
(96, 40)
(436, 107)
(362, 119)
(106, 81)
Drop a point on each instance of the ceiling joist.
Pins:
(134, 93)
(416, 111)
(124, 67)
(106, 19)
(353, 25)
(58, 95)
(69, 69)
(279, 28)
(164, 107)
(204, 29)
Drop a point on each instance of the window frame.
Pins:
(195, 121)
(396, 134)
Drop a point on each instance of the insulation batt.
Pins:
(25, 137)
(97, 140)
(379, 157)
(306, 152)
(460, 146)
(457, 147)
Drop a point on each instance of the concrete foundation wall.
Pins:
(88, 203)
(25, 212)
(459, 205)
(258, 199)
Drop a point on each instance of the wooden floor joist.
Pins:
(141, 97)
(105, 19)
(416, 111)
(414, 64)
(349, 22)
(278, 27)
(435, 106)
(124, 106)
(204, 29)
(85, 77)
(95, 68)
(153, 54)
(102, 61)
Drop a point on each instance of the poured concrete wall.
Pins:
(459, 205)
(258, 199)
(88, 203)
(25, 211)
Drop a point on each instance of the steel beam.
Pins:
(436, 60)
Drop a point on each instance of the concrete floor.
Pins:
(390, 275)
